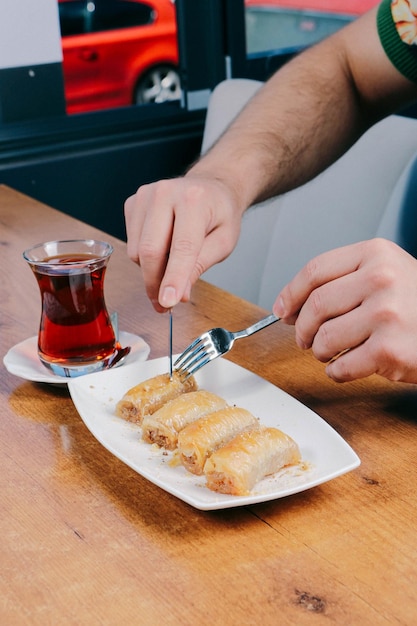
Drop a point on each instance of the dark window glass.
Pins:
(72, 17)
(86, 16)
(269, 29)
(287, 26)
(119, 14)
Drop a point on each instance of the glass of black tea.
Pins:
(76, 335)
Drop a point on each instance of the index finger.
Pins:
(321, 270)
(149, 224)
(188, 235)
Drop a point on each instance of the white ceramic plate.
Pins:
(325, 454)
(22, 360)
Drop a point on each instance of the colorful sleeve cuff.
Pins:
(397, 29)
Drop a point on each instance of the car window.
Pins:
(86, 16)
(290, 25)
(120, 14)
(72, 18)
(268, 29)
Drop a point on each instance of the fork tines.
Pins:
(194, 357)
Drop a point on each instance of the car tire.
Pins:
(159, 84)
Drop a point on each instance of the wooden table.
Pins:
(84, 540)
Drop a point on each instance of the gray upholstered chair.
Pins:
(368, 192)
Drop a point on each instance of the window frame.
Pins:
(210, 32)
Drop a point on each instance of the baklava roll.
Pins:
(200, 439)
(164, 425)
(236, 467)
(150, 395)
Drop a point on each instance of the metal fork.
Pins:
(212, 344)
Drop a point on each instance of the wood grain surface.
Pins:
(84, 540)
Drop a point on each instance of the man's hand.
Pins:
(176, 230)
(361, 299)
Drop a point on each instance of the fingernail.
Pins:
(168, 297)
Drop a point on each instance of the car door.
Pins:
(98, 38)
(80, 55)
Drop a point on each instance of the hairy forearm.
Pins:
(297, 124)
(304, 118)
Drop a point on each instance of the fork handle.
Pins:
(266, 321)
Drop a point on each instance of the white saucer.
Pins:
(22, 360)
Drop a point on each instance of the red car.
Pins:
(118, 53)
(124, 52)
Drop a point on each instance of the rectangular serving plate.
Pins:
(325, 454)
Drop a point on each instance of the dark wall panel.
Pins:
(92, 184)
(31, 92)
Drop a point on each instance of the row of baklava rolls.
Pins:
(225, 443)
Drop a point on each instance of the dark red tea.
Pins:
(75, 325)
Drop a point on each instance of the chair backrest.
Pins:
(368, 192)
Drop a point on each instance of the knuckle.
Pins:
(341, 371)
(193, 193)
(135, 200)
(316, 303)
(148, 250)
(382, 277)
(312, 271)
(183, 246)
(133, 255)
(129, 206)
(326, 344)
(387, 314)
(198, 271)
(378, 246)
(322, 343)
(226, 242)
(385, 352)
(389, 361)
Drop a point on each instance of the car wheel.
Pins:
(160, 84)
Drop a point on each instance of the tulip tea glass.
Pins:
(76, 335)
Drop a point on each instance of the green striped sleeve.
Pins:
(402, 55)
